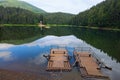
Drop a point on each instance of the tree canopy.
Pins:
(12, 15)
(58, 18)
(105, 14)
(9, 15)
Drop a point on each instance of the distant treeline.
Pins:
(58, 18)
(105, 14)
(9, 15)
(12, 15)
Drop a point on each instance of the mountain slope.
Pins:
(12, 15)
(20, 4)
(58, 18)
(105, 14)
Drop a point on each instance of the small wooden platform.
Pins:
(88, 66)
(58, 60)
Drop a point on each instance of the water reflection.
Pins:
(6, 56)
(29, 57)
(39, 59)
(5, 46)
(107, 41)
(54, 40)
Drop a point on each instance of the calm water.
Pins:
(29, 57)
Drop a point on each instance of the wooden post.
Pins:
(40, 25)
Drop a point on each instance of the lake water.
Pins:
(29, 58)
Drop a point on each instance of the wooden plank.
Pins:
(59, 58)
(87, 64)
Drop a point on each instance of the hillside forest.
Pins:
(105, 14)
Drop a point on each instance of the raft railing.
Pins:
(98, 59)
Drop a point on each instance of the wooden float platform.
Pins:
(58, 60)
(87, 65)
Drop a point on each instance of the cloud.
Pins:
(39, 59)
(6, 56)
(68, 6)
(5, 46)
(54, 40)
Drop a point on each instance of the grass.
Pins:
(59, 25)
(100, 28)
(19, 25)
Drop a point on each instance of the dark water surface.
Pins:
(29, 57)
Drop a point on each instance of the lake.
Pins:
(28, 57)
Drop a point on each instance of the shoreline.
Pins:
(99, 28)
(14, 75)
(60, 25)
(7, 25)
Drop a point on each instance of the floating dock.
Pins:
(58, 60)
(88, 66)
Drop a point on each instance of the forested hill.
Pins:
(105, 14)
(9, 15)
(20, 12)
(58, 18)
(20, 4)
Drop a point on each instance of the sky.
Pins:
(67, 6)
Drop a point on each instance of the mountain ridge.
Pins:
(21, 4)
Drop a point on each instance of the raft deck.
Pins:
(58, 60)
(88, 66)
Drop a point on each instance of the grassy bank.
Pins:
(100, 28)
(3, 25)
(58, 25)
(33, 25)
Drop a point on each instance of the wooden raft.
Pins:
(88, 66)
(58, 60)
